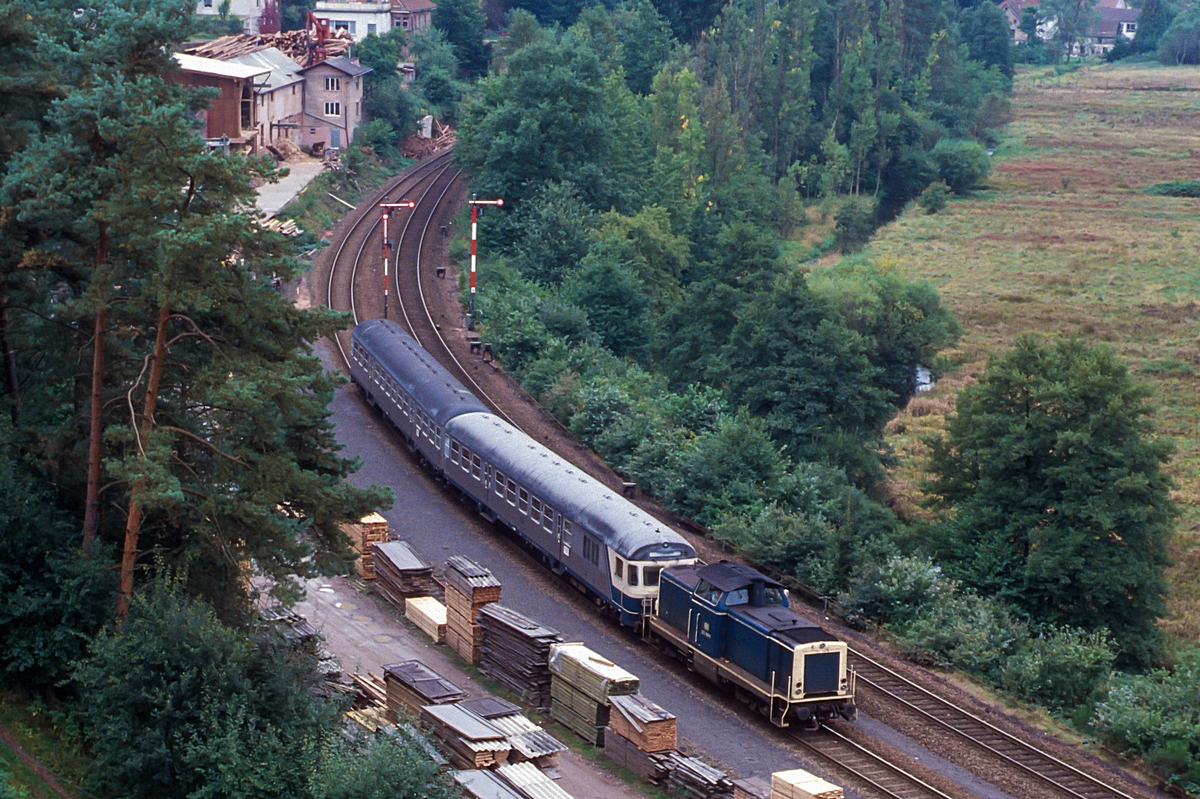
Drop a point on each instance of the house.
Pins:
(248, 11)
(412, 15)
(278, 97)
(232, 117)
(359, 19)
(333, 91)
(1014, 10)
(1115, 23)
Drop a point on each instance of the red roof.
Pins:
(413, 6)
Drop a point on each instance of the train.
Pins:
(728, 622)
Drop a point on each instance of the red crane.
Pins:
(318, 32)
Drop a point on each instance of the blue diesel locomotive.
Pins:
(633, 566)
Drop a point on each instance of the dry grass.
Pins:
(1063, 241)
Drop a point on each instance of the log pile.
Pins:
(799, 784)
(471, 741)
(530, 782)
(286, 227)
(412, 685)
(645, 724)
(581, 685)
(429, 615)
(370, 529)
(469, 587)
(516, 653)
(293, 44)
(399, 573)
(691, 778)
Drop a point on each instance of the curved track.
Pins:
(880, 776)
(1028, 758)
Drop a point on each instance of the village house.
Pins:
(1115, 20)
(332, 102)
(248, 11)
(361, 18)
(232, 117)
(278, 96)
(412, 15)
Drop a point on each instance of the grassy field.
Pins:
(1062, 240)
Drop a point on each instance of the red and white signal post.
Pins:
(387, 207)
(474, 224)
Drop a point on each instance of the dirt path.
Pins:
(34, 765)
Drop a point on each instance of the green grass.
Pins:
(46, 736)
(317, 213)
(1064, 241)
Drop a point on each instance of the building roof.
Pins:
(342, 64)
(220, 69)
(1111, 20)
(1017, 7)
(284, 71)
(413, 6)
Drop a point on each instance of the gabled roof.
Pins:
(413, 6)
(342, 64)
(220, 69)
(283, 70)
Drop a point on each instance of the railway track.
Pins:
(1015, 753)
(880, 776)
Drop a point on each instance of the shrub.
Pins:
(1180, 44)
(1062, 669)
(855, 224)
(898, 590)
(961, 163)
(934, 198)
(1175, 188)
(972, 633)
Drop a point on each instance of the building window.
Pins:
(344, 25)
(333, 109)
(208, 3)
(404, 22)
(371, 29)
(333, 84)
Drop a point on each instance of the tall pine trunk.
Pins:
(133, 521)
(91, 514)
(11, 382)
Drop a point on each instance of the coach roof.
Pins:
(630, 531)
(416, 371)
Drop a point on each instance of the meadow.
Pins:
(1062, 240)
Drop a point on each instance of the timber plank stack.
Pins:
(368, 531)
(625, 753)
(642, 722)
(516, 653)
(473, 742)
(469, 587)
(429, 615)
(529, 742)
(751, 788)
(691, 778)
(412, 685)
(530, 782)
(799, 784)
(581, 685)
(399, 573)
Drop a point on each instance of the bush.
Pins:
(1181, 42)
(1061, 669)
(970, 632)
(855, 222)
(897, 591)
(1175, 188)
(934, 198)
(961, 163)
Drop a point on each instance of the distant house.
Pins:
(278, 96)
(412, 15)
(332, 101)
(232, 117)
(1014, 10)
(359, 19)
(248, 11)
(1116, 23)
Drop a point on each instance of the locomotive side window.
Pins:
(619, 569)
(650, 576)
(500, 480)
(739, 597)
(535, 510)
(523, 501)
(633, 576)
(708, 592)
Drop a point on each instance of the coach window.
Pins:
(500, 480)
(633, 580)
(466, 459)
(454, 452)
(512, 493)
(476, 467)
(548, 522)
(619, 569)
(535, 510)
(523, 501)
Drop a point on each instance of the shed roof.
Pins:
(220, 69)
(283, 70)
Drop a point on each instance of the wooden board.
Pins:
(429, 615)
(799, 784)
(639, 720)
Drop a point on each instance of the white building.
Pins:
(248, 11)
(359, 19)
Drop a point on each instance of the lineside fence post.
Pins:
(387, 245)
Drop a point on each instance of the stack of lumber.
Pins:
(417, 146)
(294, 44)
(645, 724)
(484, 785)
(373, 719)
(531, 782)
(799, 784)
(469, 587)
(751, 788)
(472, 742)
(429, 615)
(399, 573)
(691, 778)
(412, 685)
(370, 689)
(370, 529)
(529, 741)
(581, 685)
(516, 653)
(287, 227)
(625, 753)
